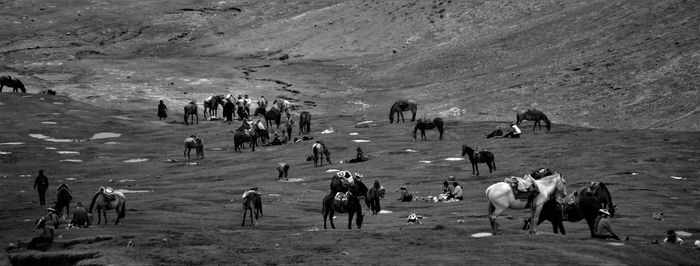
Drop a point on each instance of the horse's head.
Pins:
(560, 187)
(467, 150)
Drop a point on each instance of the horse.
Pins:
(501, 197)
(242, 135)
(196, 143)
(599, 191)
(399, 107)
(318, 150)
(304, 123)
(272, 115)
(482, 157)
(191, 112)
(356, 190)
(423, 125)
(581, 208)
(282, 106)
(105, 199)
(15, 84)
(533, 115)
(212, 105)
(261, 132)
(63, 198)
(251, 201)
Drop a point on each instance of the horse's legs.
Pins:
(535, 215)
(350, 215)
(251, 216)
(330, 216)
(494, 224)
(402, 118)
(245, 210)
(117, 212)
(413, 118)
(441, 132)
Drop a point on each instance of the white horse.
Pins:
(501, 197)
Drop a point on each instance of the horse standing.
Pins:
(399, 107)
(252, 202)
(479, 157)
(423, 125)
(104, 201)
(354, 189)
(533, 115)
(15, 84)
(63, 198)
(304, 123)
(271, 116)
(211, 104)
(318, 150)
(242, 135)
(501, 198)
(191, 112)
(196, 143)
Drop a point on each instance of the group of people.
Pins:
(240, 105)
(456, 192)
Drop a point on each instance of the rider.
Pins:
(514, 131)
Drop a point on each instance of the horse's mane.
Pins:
(94, 198)
(549, 178)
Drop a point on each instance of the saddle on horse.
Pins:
(540, 173)
(523, 188)
(403, 103)
(340, 201)
(108, 193)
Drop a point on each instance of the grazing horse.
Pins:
(533, 115)
(304, 123)
(193, 142)
(106, 199)
(191, 112)
(251, 201)
(318, 150)
(242, 135)
(63, 197)
(355, 190)
(501, 197)
(423, 125)
(479, 157)
(212, 103)
(15, 84)
(399, 107)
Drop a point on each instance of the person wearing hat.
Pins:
(514, 132)
(458, 192)
(41, 184)
(446, 190)
(602, 226)
(80, 217)
(52, 218)
(45, 237)
(405, 195)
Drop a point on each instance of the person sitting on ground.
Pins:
(603, 227)
(80, 217)
(45, 237)
(405, 196)
(458, 192)
(446, 191)
(672, 238)
(52, 218)
(513, 132)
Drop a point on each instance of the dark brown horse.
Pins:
(242, 135)
(211, 105)
(63, 198)
(423, 125)
(252, 202)
(583, 204)
(533, 115)
(272, 115)
(355, 191)
(304, 123)
(479, 157)
(191, 112)
(399, 107)
(15, 84)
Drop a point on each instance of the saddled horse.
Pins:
(533, 115)
(106, 199)
(211, 105)
(304, 123)
(479, 157)
(501, 197)
(271, 116)
(244, 134)
(193, 142)
(13, 83)
(283, 106)
(252, 202)
(63, 198)
(354, 190)
(318, 150)
(399, 107)
(575, 208)
(422, 124)
(191, 112)
(260, 131)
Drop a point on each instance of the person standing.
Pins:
(228, 110)
(289, 124)
(247, 102)
(162, 111)
(374, 195)
(41, 184)
(262, 102)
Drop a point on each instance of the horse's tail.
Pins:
(492, 208)
(92, 203)
(258, 205)
(122, 211)
(391, 113)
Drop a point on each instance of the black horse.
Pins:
(355, 192)
(304, 123)
(272, 115)
(423, 125)
(240, 137)
(252, 203)
(479, 157)
(15, 84)
(63, 198)
(583, 205)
